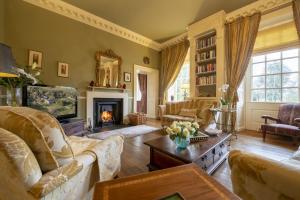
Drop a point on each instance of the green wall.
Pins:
(63, 39)
(2, 20)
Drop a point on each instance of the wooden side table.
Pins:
(188, 180)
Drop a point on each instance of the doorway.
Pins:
(146, 92)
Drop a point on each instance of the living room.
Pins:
(146, 100)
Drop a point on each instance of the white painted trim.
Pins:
(258, 6)
(153, 79)
(75, 13)
(174, 40)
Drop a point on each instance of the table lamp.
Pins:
(7, 62)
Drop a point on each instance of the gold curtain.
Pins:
(240, 37)
(296, 12)
(172, 59)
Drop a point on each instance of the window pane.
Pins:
(290, 53)
(290, 65)
(273, 81)
(273, 67)
(290, 95)
(258, 95)
(258, 82)
(273, 95)
(258, 59)
(258, 69)
(273, 56)
(290, 80)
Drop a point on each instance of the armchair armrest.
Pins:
(266, 117)
(161, 110)
(55, 178)
(255, 177)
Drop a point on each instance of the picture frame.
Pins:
(127, 77)
(63, 70)
(35, 57)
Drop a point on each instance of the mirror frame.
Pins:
(110, 54)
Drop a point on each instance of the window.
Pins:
(275, 76)
(181, 87)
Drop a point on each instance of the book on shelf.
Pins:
(206, 80)
(203, 56)
(210, 67)
(206, 42)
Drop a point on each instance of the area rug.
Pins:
(128, 132)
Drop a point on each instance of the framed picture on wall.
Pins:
(63, 70)
(35, 57)
(127, 76)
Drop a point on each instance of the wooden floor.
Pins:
(136, 155)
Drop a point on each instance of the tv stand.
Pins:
(74, 126)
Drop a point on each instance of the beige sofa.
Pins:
(258, 178)
(172, 111)
(38, 161)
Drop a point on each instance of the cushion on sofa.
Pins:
(186, 112)
(21, 158)
(42, 133)
(172, 118)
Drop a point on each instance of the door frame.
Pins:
(153, 89)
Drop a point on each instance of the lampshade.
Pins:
(7, 62)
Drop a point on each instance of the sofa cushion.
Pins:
(282, 129)
(42, 133)
(188, 112)
(22, 159)
(172, 118)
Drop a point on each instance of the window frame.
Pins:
(281, 74)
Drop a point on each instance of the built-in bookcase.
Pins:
(206, 68)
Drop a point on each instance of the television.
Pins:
(61, 102)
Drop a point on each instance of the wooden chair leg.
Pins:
(264, 135)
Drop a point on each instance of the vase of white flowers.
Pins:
(27, 75)
(180, 132)
(224, 101)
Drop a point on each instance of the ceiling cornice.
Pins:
(174, 40)
(75, 13)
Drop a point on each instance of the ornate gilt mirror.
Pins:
(108, 69)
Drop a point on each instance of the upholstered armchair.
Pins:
(258, 178)
(38, 161)
(286, 124)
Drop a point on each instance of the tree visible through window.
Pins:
(275, 76)
(181, 87)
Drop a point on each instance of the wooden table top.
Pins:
(188, 180)
(192, 153)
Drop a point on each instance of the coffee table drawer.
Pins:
(206, 161)
(162, 161)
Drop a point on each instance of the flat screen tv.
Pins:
(61, 102)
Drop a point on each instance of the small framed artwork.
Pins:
(63, 70)
(127, 76)
(35, 57)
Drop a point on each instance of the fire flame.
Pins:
(106, 116)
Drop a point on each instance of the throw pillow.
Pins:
(16, 151)
(188, 112)
(42, 132)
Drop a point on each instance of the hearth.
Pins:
(107, 112)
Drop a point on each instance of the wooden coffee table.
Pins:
(188, 180)
(208, 154)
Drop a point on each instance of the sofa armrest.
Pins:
(162, 109)
(55, 178)
(267, 117)
(255, 177)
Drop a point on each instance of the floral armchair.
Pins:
(40, 162)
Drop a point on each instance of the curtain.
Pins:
(240, 37)
(172, 59)
(296, 12)
(142, 104)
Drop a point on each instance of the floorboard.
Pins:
(135, 156)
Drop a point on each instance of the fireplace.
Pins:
(107, 112)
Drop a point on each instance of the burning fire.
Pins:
(106, 116)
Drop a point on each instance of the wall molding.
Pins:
(75, 13)
(263, 6)
(174, 40)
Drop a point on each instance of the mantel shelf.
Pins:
(106, 88)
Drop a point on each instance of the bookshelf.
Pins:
(206, 65)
